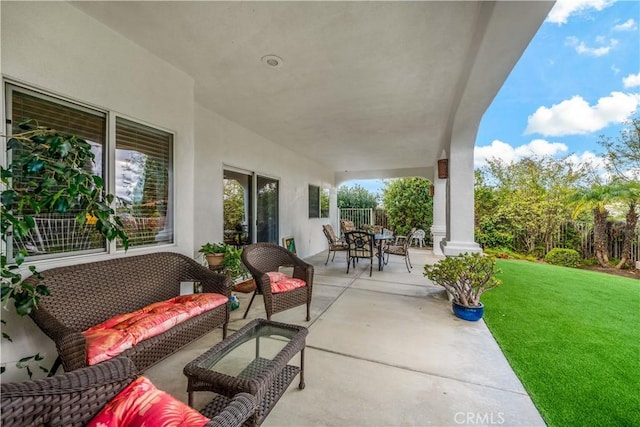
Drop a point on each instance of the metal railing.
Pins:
(364, 216)
(358, 216)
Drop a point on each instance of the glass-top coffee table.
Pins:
(252, 360)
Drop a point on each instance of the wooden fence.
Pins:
(579, 236)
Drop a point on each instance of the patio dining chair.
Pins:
(280, 291)
(400, 249)
(335, 244)
(360, 245)
(346, 226)
(400, 238)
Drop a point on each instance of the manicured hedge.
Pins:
(564, 257)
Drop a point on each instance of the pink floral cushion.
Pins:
(280, 282)
(119, 333)
(142, 404)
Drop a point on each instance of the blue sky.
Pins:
(578, 79)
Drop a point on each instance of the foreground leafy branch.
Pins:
(50, 172)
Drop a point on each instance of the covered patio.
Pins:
(300, 93)
(382, 350)
(362, 90)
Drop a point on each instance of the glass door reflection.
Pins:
(267, 210)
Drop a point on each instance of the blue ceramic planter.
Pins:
(471, 314)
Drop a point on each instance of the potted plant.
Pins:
(214, 253)
(235, 269)
(465, 277)
(233, 266)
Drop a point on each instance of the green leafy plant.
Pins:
(50, 172)
(563, 257)
(466, 277)
(233, 266)
(408, 204)
(213, 248)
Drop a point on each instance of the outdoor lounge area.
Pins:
(381, 350)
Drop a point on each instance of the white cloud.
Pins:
(502, 150)
(632, 80)
(615, 69)
(630, 25)
(565, 8)
(588, 158)
(582, 48)
(537, 148)
(576, 117)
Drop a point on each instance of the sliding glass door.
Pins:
(243, 202)
(267, 210)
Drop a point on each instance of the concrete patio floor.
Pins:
(384, 350)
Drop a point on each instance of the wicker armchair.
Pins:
(74, 398)
(335, 244)
(262, 258)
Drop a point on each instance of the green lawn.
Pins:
(573, 338)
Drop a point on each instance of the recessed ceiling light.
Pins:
(272, 61)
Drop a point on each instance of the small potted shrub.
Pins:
(466, 277)
(214, 253)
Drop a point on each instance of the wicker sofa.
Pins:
(84, 295)
(74, 398)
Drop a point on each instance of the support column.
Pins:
(439, 227)
(460, 202)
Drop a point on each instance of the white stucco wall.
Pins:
(55, 47)
(219, 143)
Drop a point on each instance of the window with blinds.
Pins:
(318, 202)
(143, 169)
(314, 201)
(324, 203)
(58, 233)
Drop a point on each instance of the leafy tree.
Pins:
(154, 192)
(628, 192)
(408, 204)
(596, 198)
(525, 200)
(233, 204)
(622, 160)
(356, 197)
(622, 156)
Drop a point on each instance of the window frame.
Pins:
(171, 205)
(108, 161)
(317, 213)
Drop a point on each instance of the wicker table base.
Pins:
(236, 365)
(267, 403)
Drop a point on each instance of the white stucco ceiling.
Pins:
(371, 88)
